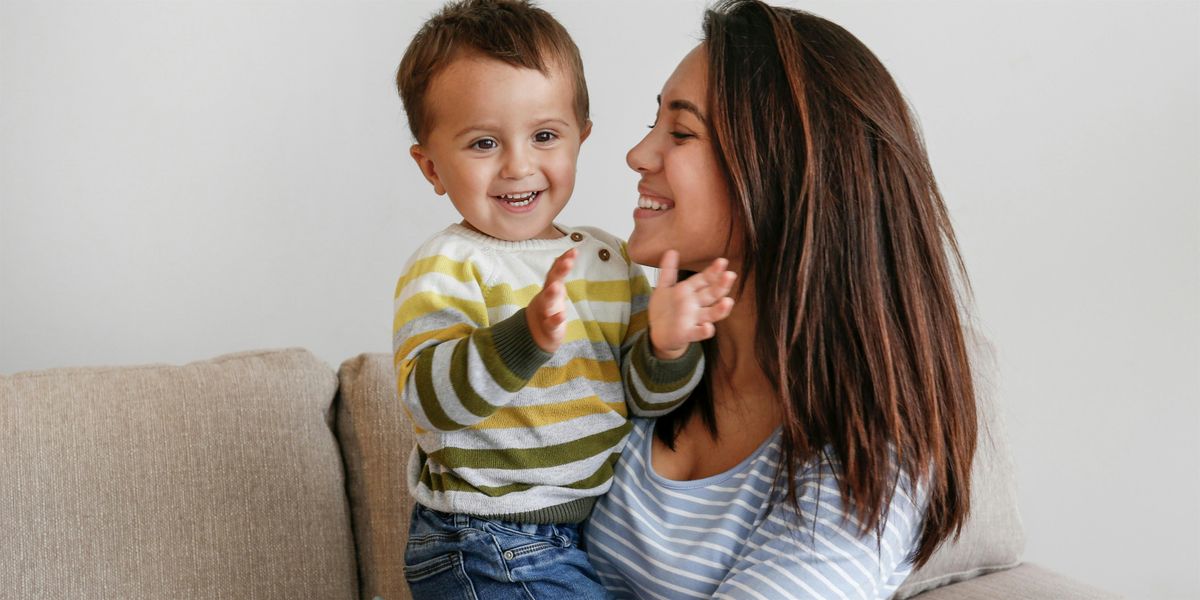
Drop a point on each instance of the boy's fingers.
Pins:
(561, 267)
(668, 269)
(717, 311)
(704, 331)
(553, 299)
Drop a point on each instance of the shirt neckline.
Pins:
(648, 453)
(560, 243)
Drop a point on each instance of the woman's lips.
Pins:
(651, 205)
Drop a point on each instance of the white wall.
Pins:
(187, 178)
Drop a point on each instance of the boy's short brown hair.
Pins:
(513, 31)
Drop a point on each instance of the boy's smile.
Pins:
(503, 145)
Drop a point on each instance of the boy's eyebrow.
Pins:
(484, 127)
(685, 105)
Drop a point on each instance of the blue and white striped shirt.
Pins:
(732, 536)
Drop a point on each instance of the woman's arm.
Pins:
(824, 555)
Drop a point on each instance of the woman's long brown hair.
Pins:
(854, 261)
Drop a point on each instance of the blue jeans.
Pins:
(460, 556)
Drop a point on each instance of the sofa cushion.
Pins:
(376, 440)
(216, 479)
(1027, 582)
(992, 538)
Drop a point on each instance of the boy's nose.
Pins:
(517, 165)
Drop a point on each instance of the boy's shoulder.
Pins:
(601, 236)
(449, 242)
(461, 251)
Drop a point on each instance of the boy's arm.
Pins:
(454, 368)
(659, 370)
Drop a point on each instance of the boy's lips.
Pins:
(519, 201)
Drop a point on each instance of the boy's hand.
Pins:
(685, 312)
(547, 312)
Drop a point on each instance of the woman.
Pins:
(828, 452)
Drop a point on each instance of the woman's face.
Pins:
(683, 202)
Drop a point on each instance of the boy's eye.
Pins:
(484, 144)
(544, 136)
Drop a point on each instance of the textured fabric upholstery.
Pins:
(1026, 582)
(376, 440)
(216, 479)
(993, 538)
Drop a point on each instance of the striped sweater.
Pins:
(504, 429)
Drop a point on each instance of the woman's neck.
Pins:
(741, 388)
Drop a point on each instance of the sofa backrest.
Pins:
(216, 479)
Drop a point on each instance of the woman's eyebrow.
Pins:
(685, 105)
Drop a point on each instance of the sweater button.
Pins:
(605, 254)
(576, 237)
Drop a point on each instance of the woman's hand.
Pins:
(682, 312)
(547, 312)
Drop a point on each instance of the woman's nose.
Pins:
(643, 157)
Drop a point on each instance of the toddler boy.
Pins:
(521, 345)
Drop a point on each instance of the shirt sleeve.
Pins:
(453, 367)
(653, 387)
(825, 555)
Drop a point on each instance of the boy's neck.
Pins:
(550, 233)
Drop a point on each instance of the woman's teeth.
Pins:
(644, 202)
(519, 199)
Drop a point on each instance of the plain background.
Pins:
(182, 179)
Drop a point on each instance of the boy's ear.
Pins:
(428, 169)
(586, 131)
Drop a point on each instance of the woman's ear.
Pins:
(428, 168)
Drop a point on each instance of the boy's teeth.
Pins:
(519, 199)
(644, 202)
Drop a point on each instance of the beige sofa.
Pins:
(264, 475)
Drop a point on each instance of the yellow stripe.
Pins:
(426, 303)
(616, 290)
(453, 332)
(595, 331)
(636, 323)
(549, 414)
(462, 271)
(589, 368)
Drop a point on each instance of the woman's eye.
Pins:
(681, 136)
(484, 144)
(544, 136)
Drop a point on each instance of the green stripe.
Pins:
(531, 458)
(504, 377)
(664, 376)
(425, 390)
(461, 382)
(449, 482)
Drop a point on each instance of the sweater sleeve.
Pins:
(653, 387)
(454, 368)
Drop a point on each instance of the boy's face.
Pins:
(503, 145)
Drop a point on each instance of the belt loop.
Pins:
(461, 521)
